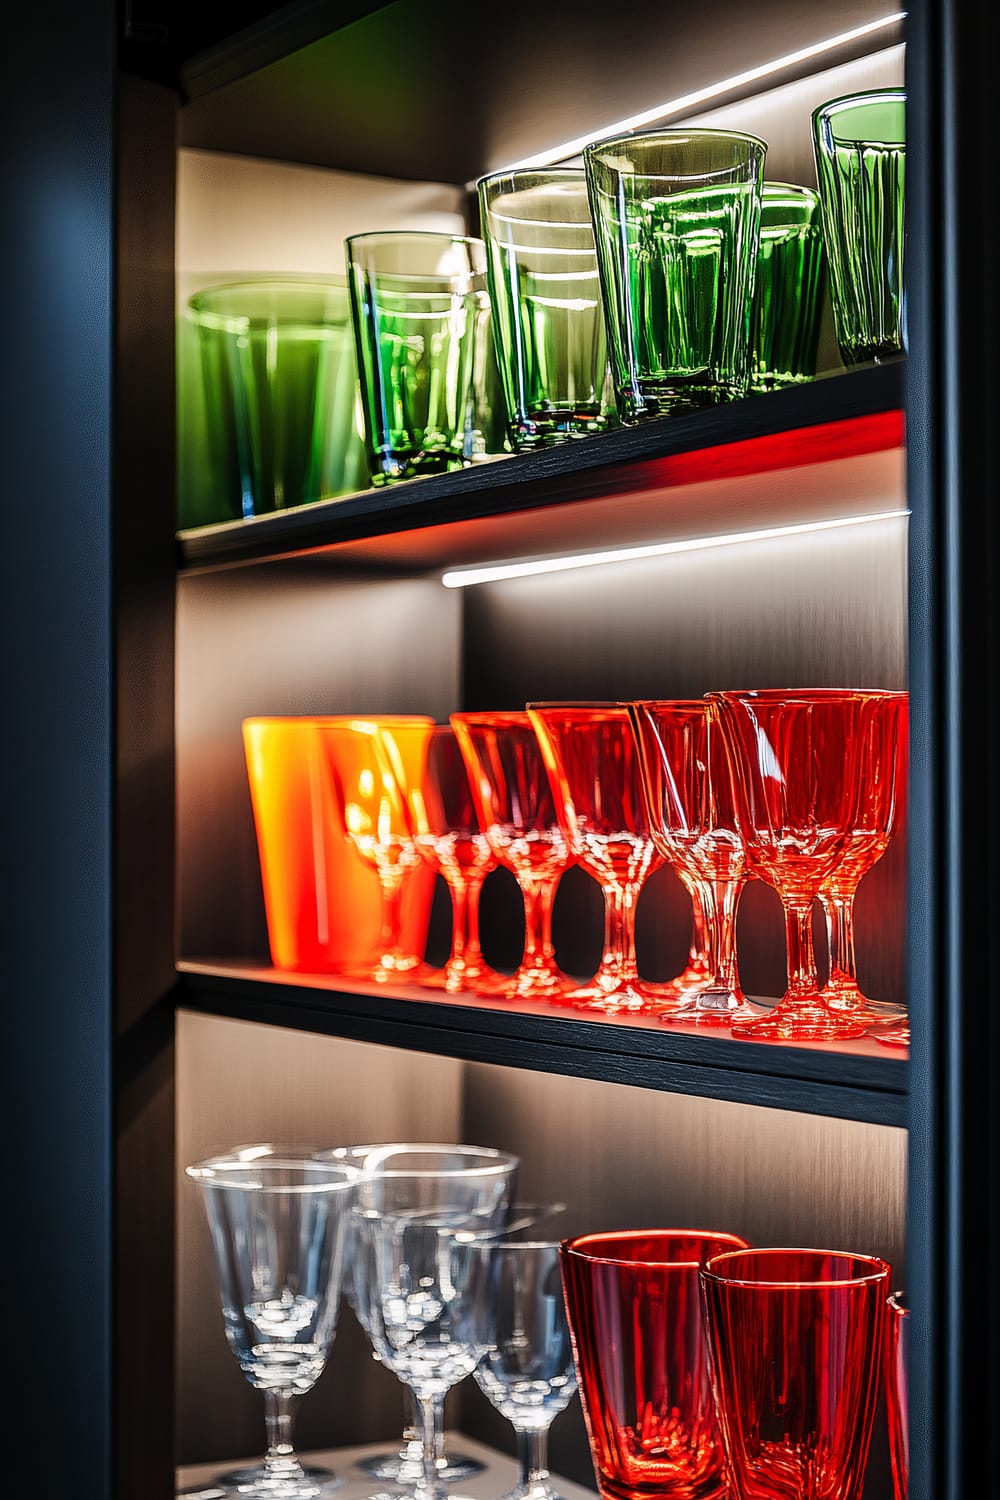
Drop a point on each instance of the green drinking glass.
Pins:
(677, 222)
(280, 391)
(548, 321)
(791, 278)
(425, 352)
(860, 147)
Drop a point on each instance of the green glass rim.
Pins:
(675, 132)
(424, 235)
(824, 114)
(797, 192)
(203, 305)
(526, 175)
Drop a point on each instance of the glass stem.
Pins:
(392, 904)
(839, 911)
(538, 950)
(431, 1486)
(472, 952)
(280, 1461)
(532, 1453)
(802, 983)
(618, 959)
(718, 900)
(699, 951)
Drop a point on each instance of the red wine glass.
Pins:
(517, 813)
(897, 1405)
(448, 833)
(881, 787)
(633, 1305)
(795, 756)
(590, 755)
(796, 1340)
(688, 786)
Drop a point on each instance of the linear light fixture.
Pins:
(461, 578)
(703, 96)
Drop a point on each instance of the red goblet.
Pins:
(796, 1339)
(881, 786)
(688, 786)
(795, 757)
(633, 1305)
(589, 752)
(448, 834)
(518, 816)
(897, 1404)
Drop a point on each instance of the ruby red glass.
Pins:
(798, 757)
(590, 754)
(448, 834)
(897, 1403)
(688, 785)
(634, 1310)
(882, 792)
(796, 1341)
(518, 815)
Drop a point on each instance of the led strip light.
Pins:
(460, 578)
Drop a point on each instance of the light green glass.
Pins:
(548, 322)
(677, 220)
(791, 279)
(280, 390)
(860, 148)
(425, 352)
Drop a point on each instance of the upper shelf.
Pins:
(431, 93)
(831, 449)
(849, 1080)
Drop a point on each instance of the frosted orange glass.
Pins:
(321, 898)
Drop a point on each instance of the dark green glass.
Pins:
(279, 384)
(548, 322)
(791, 278)
(860, 148)
(425, 352)
(677, 220)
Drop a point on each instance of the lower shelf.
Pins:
(858, 1080)
(498, 1475)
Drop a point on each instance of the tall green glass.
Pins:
(860, 148)
(280, 389)
(677, 222)
(425, 352)
(791, 279)
(548, 322)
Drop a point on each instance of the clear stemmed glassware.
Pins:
(448, 833)
(369, 776)
(421, 1281)
(589, 753)
(688, 784)
(527, 1372)
(796, 755)
(881, 787)
(278, 1219)
(518, 814)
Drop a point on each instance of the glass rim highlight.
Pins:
(576, 1246)
(669, 133)
(713, 1269)
(831, 108)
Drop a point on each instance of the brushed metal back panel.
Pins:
(238, 1083)
(283, 639)
(629, 1158)
(819, 610)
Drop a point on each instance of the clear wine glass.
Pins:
(527, 1372)
(448, 833)
(796, 755)
(369, 777)
(589, 753)
(278, 1218)
(881, 790)
(688, 784)
(518, 814)
(421, 1281)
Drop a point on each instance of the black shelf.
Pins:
(379, 526)
(852, 1080)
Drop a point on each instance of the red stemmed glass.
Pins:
(590, 755)
(689, 793)
(448, 834)
(881, 786)
(796, 756)
(796, 1340)
(897, 1405)
(634, 1311)
(518, 815)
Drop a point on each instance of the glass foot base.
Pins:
(614, 1000)
(715, 1011)
(468, 981)
(400, 971)
(310, 1483)
(788, 1022)
(895, 1036)
(401, 1468)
